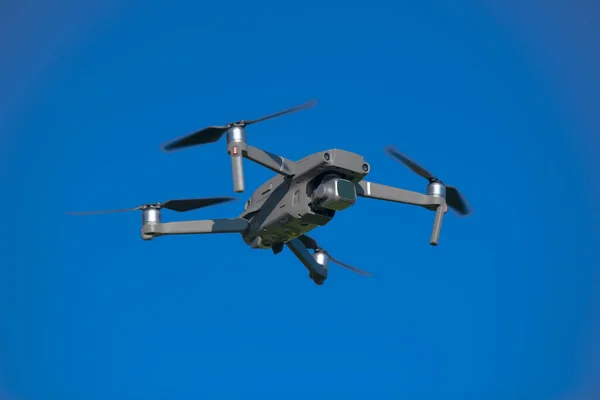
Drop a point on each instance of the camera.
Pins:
(335, 193)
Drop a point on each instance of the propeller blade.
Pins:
(103, 211)
(312, 244)
(213, 133)
(181, 205)
(456, 201)
(203, 136)
(290, 110)
(412, 165)
(184, 205)
(351, 268)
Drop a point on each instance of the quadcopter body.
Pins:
(286, 207)
(302, 196)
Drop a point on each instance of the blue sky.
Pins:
(495, 99)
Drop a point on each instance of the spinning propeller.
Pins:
(454, 199)
(181, 205)
(213, 133)
(236, 140)
(312, 244)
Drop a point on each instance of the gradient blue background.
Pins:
(498, 98)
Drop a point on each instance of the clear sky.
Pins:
(495, 98)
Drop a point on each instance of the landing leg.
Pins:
(317, 271)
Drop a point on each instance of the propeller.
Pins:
(454, 199)
(181, 205)
(213, 133)
(312, 244)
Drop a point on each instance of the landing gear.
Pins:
(316, 278)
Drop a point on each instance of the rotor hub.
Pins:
(151, 216)
(436, 188)
(322, 258)
(236, 134)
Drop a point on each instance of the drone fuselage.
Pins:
(302, 196)
(286, 207)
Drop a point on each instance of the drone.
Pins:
(302, 196)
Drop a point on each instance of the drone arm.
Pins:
(300, 251)
(397, 195)
(437, 225)
(236, 151)
(269, 160)
(233, 225)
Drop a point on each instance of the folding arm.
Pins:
(397, 195)
(240, 149)
(269, 160)
(318, 273)
(199, 227)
